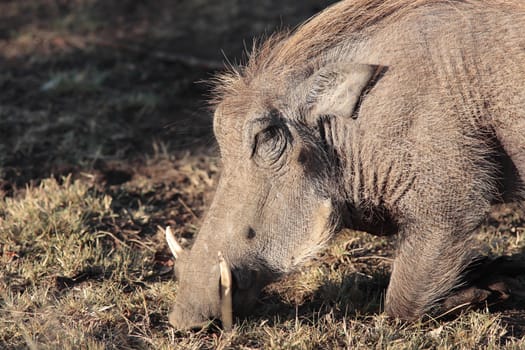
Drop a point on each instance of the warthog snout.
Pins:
(227, 291)
(182, 317)
(196, 315)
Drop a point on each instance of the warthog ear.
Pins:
(338, 89)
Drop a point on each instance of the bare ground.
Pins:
(105, 138)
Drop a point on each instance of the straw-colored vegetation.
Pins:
(72, 279)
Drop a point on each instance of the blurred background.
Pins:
(87, 83)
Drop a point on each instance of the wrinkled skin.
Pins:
(266, 190)
(425, 138)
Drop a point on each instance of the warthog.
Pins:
(402, 116)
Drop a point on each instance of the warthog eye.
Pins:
(269, 145)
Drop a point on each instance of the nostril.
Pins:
(250, 233)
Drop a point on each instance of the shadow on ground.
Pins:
(355, 288)
(87, 83)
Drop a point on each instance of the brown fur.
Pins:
(286, 52)
(422, 125)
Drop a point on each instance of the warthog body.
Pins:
(399, 115)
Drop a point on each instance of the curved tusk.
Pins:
(226, 294)
(175, 247)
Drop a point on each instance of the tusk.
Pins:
(175, 247)
(226, 294)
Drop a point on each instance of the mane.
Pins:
(288, 52)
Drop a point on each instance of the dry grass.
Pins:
(68, 282)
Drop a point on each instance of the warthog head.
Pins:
(281, 190)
